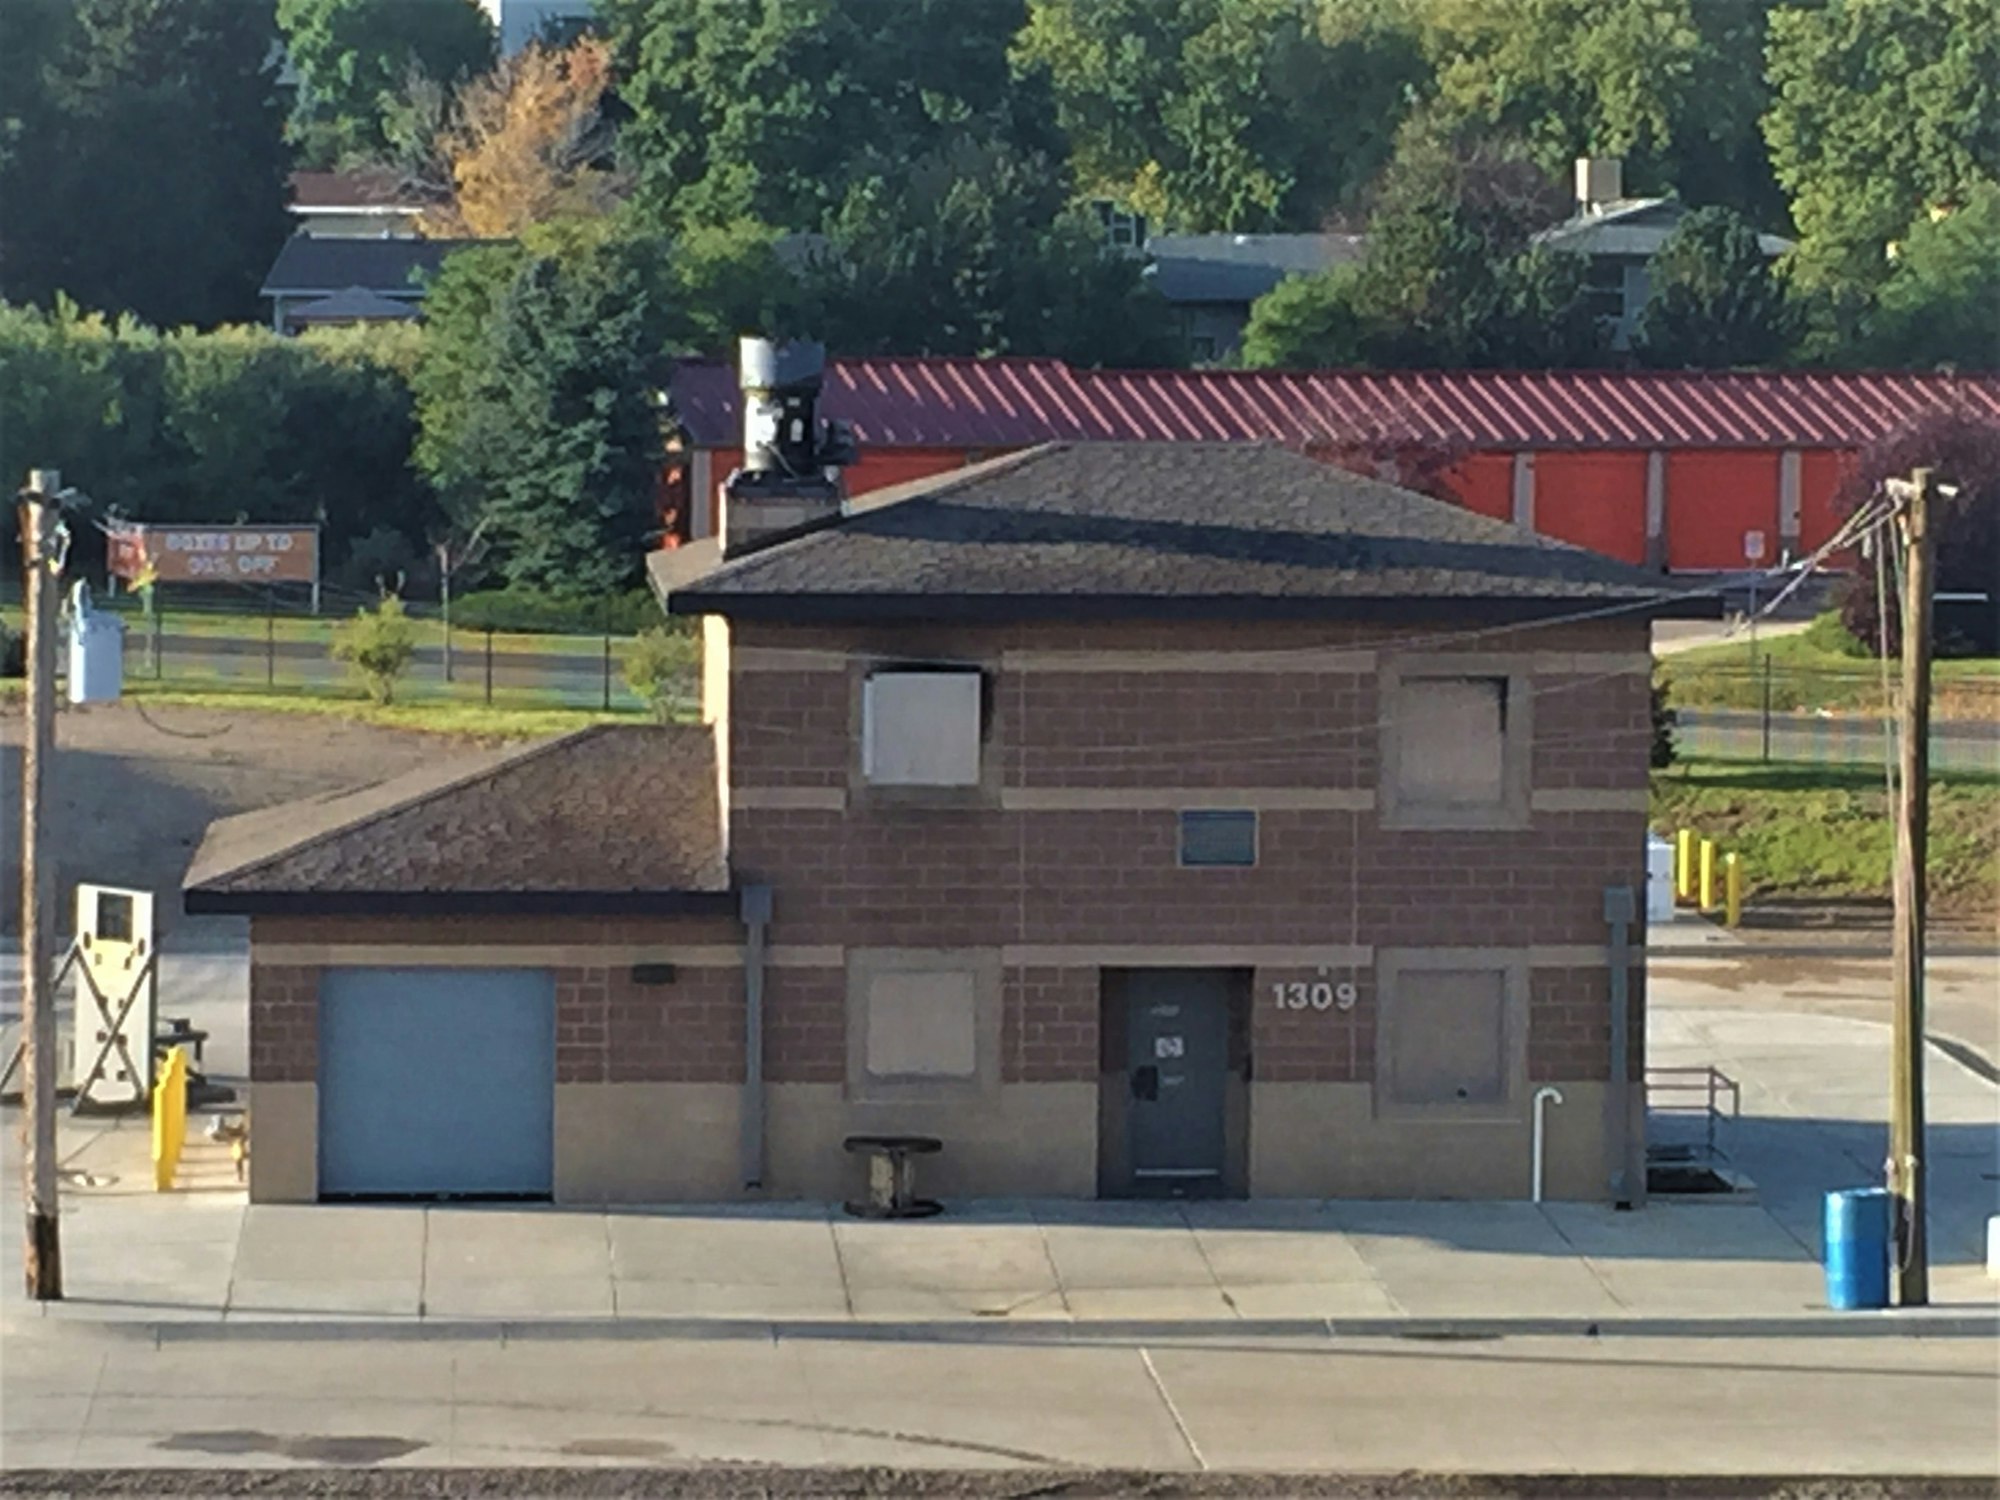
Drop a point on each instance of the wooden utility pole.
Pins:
(1906, 1108)
(39, 517)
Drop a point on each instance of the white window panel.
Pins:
(1452, 741)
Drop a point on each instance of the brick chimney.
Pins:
(789, 481)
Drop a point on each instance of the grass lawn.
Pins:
(435, 716)
(1816, 669)
(1812, 832)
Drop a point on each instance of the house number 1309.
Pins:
(1321, 995)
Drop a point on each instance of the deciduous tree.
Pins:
(353, 58)
(1941, 303)
(1714, 300)
(1882, 109)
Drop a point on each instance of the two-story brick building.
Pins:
(1125, 843)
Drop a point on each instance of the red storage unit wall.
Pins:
(881, 467)
(1484, 482)
(1714, 497)
(1595, 500)
(1821, 471)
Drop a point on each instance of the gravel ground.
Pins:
(742, 1483)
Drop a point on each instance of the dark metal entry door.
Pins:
(1177, 1023)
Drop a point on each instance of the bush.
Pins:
(531, 612)
(1827, 633)
(661, 666)
(13, 652)
(378, 644)
(1665, 746)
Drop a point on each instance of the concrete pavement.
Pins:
(94, 1397)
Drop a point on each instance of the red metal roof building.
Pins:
(1688, 471)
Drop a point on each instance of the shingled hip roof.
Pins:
(1080, 530)
(615, 815)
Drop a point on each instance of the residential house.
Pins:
(1619, 236)
(1135, 818)
(353, 205)
(519, 22)
(342, 280)
(1210, 280)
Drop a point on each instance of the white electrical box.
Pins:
(96, 651)
(1659, 879)
(117, 996)
(920, 729)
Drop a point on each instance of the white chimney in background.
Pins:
(1600, 182)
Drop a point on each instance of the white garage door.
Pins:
(436, 1082)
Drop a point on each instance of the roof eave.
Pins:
(200, 901)
(1012, 608)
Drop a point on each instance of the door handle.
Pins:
(1146, 1082)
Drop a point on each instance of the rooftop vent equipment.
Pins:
(1600, 182)
(791, 460)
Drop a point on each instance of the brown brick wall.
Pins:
(284, 1023)
(611, 1030)
(1049, 1025)
(1569, 1024)
(1310, 1045)
(1592, 731)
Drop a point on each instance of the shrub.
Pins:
(378, 644)
(660, 666)
(531, 612)
(13, 652)
(1665, 748)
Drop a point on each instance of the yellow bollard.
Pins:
(1707, 876)
(1732, 890)
(169, 1119)
(1684, 866)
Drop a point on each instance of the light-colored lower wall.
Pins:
(677, 1142)
(646, 1142)
(1323, 1140)
(1026, 1140)
(284, 1142)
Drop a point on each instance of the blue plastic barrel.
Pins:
(1856, 1236)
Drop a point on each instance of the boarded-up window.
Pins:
(922, 1023)
(921, 728)
(1451, 735)
(1447, 1037)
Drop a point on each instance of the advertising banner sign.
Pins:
(217, 554)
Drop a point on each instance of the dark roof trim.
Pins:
(1008, 608)
(203, 902)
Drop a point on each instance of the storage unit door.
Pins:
(436, 1082)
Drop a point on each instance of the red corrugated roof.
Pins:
(1002, 403)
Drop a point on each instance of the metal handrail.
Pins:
(1704, 1088)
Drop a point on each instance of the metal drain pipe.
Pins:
(1621, 909)
(755, 909)
(1546, 1095)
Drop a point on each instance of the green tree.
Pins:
(151, 176)
(1307, 322)
(1452, 274)
(1881, 109)
(1673, 86)
(774, 109)
(1941, 303)
(1224, 114)
(535, 398)
(354, 59)
(1714, 301)
(970, 252)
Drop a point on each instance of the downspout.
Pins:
(755, 910)
(1620, 910)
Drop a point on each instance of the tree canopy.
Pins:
(1714, 301)
(1881, 110)
(1941, 303)
(353, 57)
(148, 175)
(1223, 114)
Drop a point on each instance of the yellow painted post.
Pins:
(1684, 866)
(1707, 876)
(169, 1119)
(1732, 890)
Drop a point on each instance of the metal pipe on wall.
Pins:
(755, 910)
(1621, 909)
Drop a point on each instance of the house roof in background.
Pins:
(376, 191)
(1240, 268)
(1632, 227)
(915, 402)
(313, 267)
(1192, 529)
(353, 305)
(610, 809)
